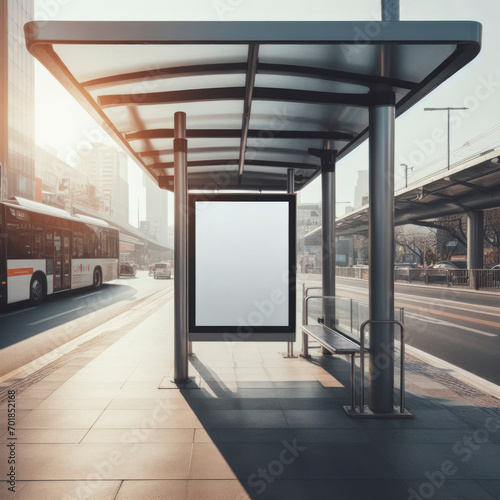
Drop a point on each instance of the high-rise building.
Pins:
(60, 185)
(17, 102)
(156, 211)
(361, 189)
(106, 168)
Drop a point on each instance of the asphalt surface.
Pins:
(461, 327)
(28, 332)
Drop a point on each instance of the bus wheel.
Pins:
(97, 277)
(37, 289)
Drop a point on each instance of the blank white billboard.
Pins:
(242, 265)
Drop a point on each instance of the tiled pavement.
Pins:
(95, 425)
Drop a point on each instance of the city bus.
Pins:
(45, 250)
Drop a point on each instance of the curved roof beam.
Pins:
(168, 133)
(234, 93)
(240, 68)
(235, 161)
(157, 152)
(253, 55)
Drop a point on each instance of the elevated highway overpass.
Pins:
(470, 187)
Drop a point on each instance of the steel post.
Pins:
(180, 250)
(381, 269)
(290, 190)
(328, 236)
(390, 10)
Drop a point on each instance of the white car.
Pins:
(162, 270)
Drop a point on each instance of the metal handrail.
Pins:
(402, 362)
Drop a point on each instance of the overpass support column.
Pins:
(475, 243)
(381, 255)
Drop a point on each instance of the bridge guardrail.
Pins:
(485, 279)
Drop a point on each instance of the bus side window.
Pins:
(38, 245)
(19, 241)
(104, 244)
(77, 245)
(49, 251)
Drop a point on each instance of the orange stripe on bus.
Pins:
(20, 272)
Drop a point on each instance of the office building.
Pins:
(17, 102)
(107, 170)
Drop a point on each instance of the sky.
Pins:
(420, 136)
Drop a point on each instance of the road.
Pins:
(461, 327)
(30, 332)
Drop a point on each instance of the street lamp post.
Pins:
(406, 172)
(448, 110)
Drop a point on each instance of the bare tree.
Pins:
(420, 241)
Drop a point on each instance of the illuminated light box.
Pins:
(242, 268)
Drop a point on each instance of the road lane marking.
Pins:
(456, 316)
(435, 321)
(16, 312)
(411, 298)
(55, 316)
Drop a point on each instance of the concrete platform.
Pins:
(92, 423)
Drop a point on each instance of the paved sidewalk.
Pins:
(93, 424)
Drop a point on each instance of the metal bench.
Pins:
(336, 343)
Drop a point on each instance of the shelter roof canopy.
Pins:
(257, 95)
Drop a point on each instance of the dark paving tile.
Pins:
(320, 419)
(449, 489)
(235, 404)
(342, 396)
(412, 461)
(478, 418)
(493, 487)
(309, 404)
(225, 393)
(330, 435)
(311, 460)
(416, 436)
(423, 419)
(421, 403)
(241, 418)
(480, 461)
(251, 435)
(385, 489)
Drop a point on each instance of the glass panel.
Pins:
(300, 116)
(173, 84)
(87, 62)
(67, 260)
(306, 83)
(408, 62)
(19, 242)
(209, 114)
(58, 261)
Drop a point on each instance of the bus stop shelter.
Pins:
(261, 106)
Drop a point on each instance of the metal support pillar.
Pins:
(381, 260)
(390, 10)
(180, 251)
(475, 243)
(290, 190)
(328, 157)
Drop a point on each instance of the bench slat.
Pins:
(331, 339)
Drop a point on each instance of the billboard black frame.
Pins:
(235, 333)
